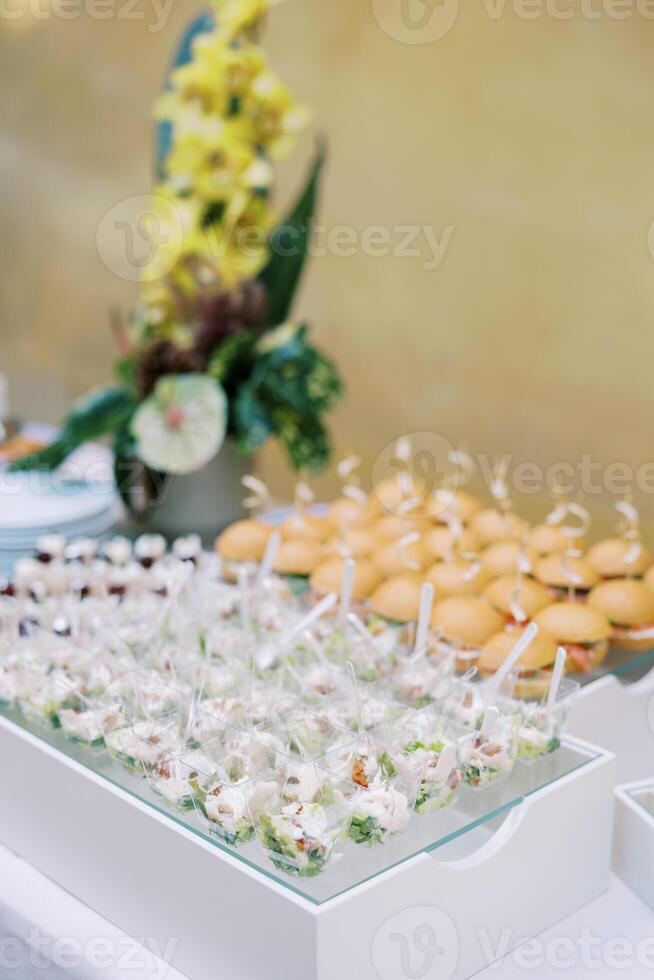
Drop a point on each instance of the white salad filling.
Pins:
(377, 811)
(298, 838)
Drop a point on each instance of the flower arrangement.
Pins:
(210, 350)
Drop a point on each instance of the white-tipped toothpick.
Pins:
(347, 588)
(424, 616)
(269, 558)
(523, 643)
(259, 493)
(555, 683)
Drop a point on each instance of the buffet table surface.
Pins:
(613, 936)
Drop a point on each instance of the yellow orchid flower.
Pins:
(231, 115)
(242, 15)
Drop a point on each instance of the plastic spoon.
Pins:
(269, 558)
(491, 717)
(362, 630)
(446, 762)
(244, 599)
(269, 652)
(347, 588)
(424, 615)
(557, 676)
(525, 640)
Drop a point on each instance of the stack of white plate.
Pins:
(34, 504)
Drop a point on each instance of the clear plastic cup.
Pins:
(380, 783)
(542, 726)
(490, 753)
(301, 817)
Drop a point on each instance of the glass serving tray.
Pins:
(460, 829)
(627, 665)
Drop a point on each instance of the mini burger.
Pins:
(391, 527)
(446, 505)
(463, 576)
(561, 573)
(581, 630)
(298, 559)
(629, 607)
(346, 512)
(328, 577)
(396, 492)
(352, 542)
(313, 527)
(400, 556)
(549, 539)
(494, 525)
(539, 655)
(503, 558)
(465, 623)
(517, 601)
(242, 543)
(619, 558)
(398, 598)
(442, 543)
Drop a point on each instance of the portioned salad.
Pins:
(540, 731)
(231, 810)
(86, 722)
(298, 838)
(378, 811)
(171, 778)
(441, 775)
(141, 746)
(491, 752)
(42, 703)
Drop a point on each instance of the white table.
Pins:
(40, 923)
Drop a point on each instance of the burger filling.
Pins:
(643, 632)
(562, 592)
(583, 655)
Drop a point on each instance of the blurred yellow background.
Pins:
(525, 145)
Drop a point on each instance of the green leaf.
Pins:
(281, 275)
(231, 354)
(253, 423)
(290, 388)
(101, 413)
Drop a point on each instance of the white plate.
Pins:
(30, 503)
